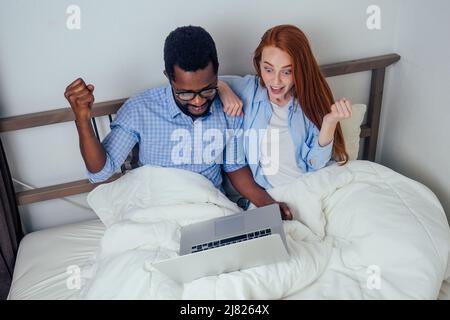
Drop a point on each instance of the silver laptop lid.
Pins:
(251, 224)
(239, 256)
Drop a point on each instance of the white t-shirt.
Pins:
(278, 151)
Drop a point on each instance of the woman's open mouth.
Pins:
(276, 90)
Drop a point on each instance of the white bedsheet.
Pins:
(144, 212)
(380, 221)
(44, 259)
(41, 273)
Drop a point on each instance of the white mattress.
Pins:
(41, 270)
(45, 256)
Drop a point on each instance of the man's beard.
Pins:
(185, 109)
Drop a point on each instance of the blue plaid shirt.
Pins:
(169, 138)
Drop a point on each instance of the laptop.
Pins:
(226, 244)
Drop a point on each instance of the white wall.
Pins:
(415, 123)
(119, 49)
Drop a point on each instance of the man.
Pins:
(158, 119)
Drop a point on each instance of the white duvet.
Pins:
(360, 231)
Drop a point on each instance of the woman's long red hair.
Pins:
(310, 87)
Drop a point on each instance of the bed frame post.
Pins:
(373, 119)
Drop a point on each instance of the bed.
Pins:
(50, 262)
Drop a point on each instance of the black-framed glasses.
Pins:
(190, 95)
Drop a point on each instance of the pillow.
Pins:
(351, 129)
(150, 187)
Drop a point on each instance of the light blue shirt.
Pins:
(169, 138)
(310, 156)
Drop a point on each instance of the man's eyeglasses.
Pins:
(190, 95)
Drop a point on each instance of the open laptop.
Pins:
(235, 242)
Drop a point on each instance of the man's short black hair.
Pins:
(191, 48)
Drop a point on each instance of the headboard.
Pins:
(369, 131)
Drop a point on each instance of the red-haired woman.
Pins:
(291, 123)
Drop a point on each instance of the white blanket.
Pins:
(389, 232)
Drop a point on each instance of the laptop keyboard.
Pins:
(227, 241)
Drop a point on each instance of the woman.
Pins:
(291, 124)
